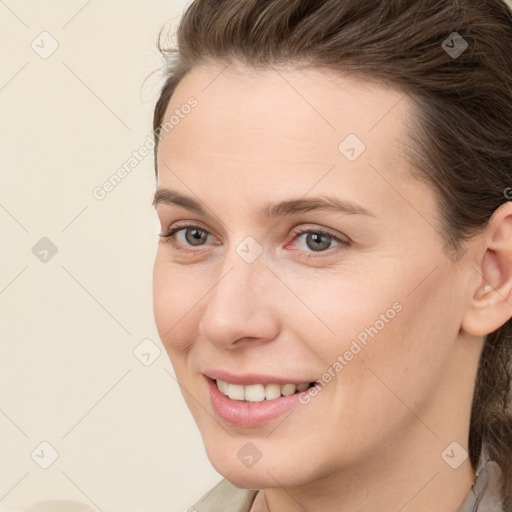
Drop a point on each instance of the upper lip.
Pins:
(248, 379)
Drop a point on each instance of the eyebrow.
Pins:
(288, 207)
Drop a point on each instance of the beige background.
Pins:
(69, 326)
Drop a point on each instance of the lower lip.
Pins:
(249, 414)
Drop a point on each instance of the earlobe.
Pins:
(491, 304)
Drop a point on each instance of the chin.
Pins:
(267, 472)
(249, 480)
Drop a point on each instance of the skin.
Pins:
(372, 439)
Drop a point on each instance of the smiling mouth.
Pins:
(260, 392)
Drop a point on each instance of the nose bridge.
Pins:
(238, 305)
(244, 269)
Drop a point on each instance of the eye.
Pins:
(318, 240)
(193, 235)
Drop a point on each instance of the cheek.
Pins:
(401, 332)
(345, 308)
(174, 297)
(408, 359)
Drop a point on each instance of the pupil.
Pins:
(194, 237)
(315, 237)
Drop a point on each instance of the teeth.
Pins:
(235, 392)
(254, 393)
(223, 386)
(259, 392)
(288, 389)
(272, 391)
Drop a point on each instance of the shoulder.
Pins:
(225, 497)
(485, 494)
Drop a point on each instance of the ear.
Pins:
(491, 304)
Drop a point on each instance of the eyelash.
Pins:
(169, 238)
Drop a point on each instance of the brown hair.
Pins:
(462, 141)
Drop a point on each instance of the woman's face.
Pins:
(365, 303)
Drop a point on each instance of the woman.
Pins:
(333, 283)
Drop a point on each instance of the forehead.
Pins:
(282, 111)
(280, 126)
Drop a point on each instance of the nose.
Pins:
(241, 307)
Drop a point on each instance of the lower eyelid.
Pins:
(329, 252)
